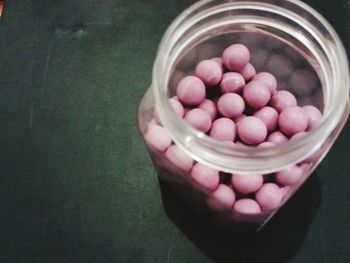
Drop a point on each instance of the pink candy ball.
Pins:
(290, 175)
(209, 72)
(258, 90)
(239, 118)
(269, 116)
(248, 72)
(179, 158)
(247, 184)
(298, 135)
(256, 94)
(313, 115)
(266, 144)
(222, 199)
(219, 61)
(283, 99)
(269, 196)
(252, 130)
(230, 105)
(277, 137)
(198, 119)
(286, 191)
(247, 206)
(177, 107)
(223, 129)
(207, 178)
(157, 137)
(191, 90)
(292, 120)
(236, 57)
(232, 82)
(268, 79)
(210, 107)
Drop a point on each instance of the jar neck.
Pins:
(210, 17)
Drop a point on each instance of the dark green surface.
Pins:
(76, 182)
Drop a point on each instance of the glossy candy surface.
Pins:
(236, 57)
(231, 105)
(228, 100)
(191, 90)
(209, 71)
(252, 130)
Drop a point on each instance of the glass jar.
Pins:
(285, 37)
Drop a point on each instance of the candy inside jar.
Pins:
(233, 141)
(230, 100)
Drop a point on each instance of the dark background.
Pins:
(76, 183)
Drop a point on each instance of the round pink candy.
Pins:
(269, 196)
(268, 79)
(191, 90)
(239, 118)
(239, 143)
(157, 137)
(293, 120)
(236, 57)
(223, 129)
(256, 94)
(247, 206)
(198, 119)
(313, 115)
(230, 105)
(266, 144)
(222, 198)
(177, 107)
(247, 184)
(209, 72)
(179, 158)
(283, 99)
(248, 72)
(252, 130)
(210, 107)
(207, 178)
(298, 135)
(232, 82)
(290, 175)
(285, 191)
(219, 61)
(277, 137)
(269, 116)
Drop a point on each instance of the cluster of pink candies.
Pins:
(247, 108)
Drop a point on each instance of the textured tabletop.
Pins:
(76, 182)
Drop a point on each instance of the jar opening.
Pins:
(295, 34)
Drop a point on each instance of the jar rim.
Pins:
(239, 158)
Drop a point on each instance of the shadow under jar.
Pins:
(286, 38)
